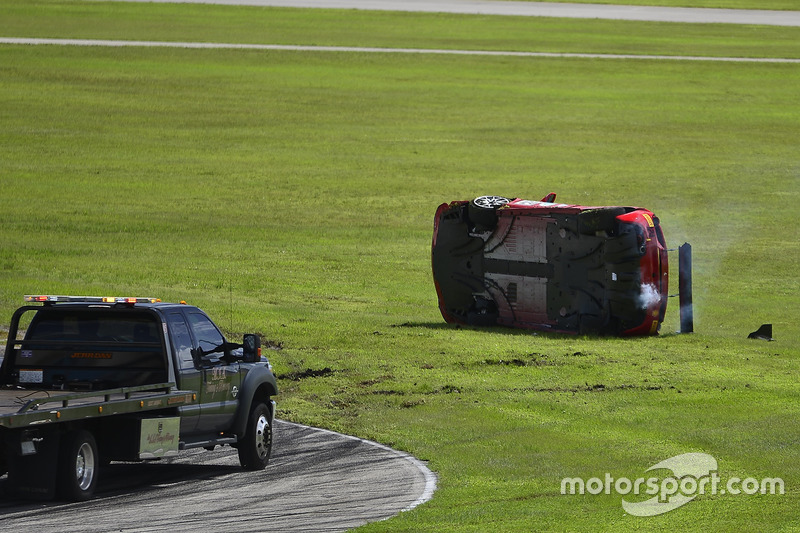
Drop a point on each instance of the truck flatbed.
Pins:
(21, 407)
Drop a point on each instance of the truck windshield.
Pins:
(93, 326)
(91, 349)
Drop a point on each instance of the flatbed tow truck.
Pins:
(91, 380)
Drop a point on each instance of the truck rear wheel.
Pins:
(78, 466)
(256, 446)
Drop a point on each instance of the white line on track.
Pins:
(300, 48)
(428, 475)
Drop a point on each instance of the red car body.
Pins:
(549, 266)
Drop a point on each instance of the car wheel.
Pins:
(482, 211)
(79, 466)
(256, 446)
(604, 219)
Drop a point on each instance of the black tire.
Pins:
(78, 466)
(3, 463)
(256, 446)
(603, 219)
(482, 211)
(483, 313)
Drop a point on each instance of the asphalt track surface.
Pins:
(317, 480)
(535, 9)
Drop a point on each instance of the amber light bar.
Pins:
(48, 298)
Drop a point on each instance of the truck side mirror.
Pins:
(252, 348)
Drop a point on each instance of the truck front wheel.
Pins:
(78, 466)
(256, 446)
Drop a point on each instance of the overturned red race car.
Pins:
(548, 266)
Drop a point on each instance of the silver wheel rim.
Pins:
(84, 466)
(491, 202)
(262, 437)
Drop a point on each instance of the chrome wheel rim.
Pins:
(263, 437)
(491, 202)
(85, 466)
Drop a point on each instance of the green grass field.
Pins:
(292, 194)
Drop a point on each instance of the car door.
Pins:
(189, 375)
(220, 379)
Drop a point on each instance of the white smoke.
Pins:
(650, 296)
